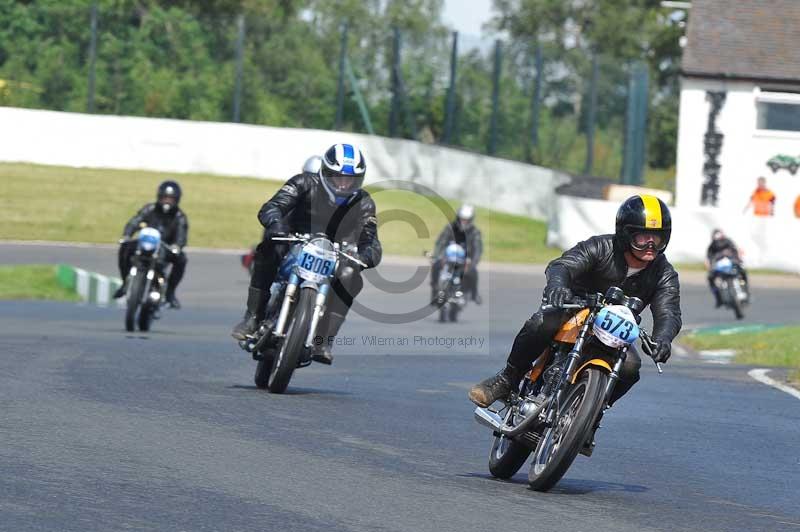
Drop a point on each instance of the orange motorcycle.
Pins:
(559, 404)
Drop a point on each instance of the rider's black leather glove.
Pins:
(559, 295)
(662, 351)
(278, 230)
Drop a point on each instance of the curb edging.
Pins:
(93, 288)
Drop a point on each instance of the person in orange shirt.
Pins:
(797, 207)
(762, 200)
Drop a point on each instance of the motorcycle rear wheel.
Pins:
(506, 457)
(560, 444)
(145, 317)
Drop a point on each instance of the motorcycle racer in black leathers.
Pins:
(170, 220)
(465, 233)
(331, 202)
(631, 259)
(722, 246)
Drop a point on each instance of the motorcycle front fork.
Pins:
(572, 361)
(319, 311)
(288, 300)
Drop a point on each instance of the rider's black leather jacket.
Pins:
(470, 239)
(302, 205)
(174, 227)
(722, 247)
(598, 263)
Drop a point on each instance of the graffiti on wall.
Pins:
(712, 147)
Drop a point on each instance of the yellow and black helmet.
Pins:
(643, 214)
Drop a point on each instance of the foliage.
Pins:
(177, 59)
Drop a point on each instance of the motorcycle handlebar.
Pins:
(565, 306)
(577, 303)
(306, 238)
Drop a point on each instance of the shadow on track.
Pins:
(567, 486)
(576, 486)
(291, 391)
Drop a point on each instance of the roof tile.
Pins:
(755, 39)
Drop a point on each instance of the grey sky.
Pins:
(467, 16)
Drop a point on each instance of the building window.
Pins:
(778, 111)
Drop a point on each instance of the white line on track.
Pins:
(760, 375)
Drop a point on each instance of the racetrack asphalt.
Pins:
(108, 430)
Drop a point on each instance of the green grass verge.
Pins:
(33, 282)
(779, 346)
(92, 205)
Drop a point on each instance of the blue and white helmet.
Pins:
(342, 172)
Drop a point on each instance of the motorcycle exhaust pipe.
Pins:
(490, 419)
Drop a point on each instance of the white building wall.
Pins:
(101, 141)
(762, 239)
(745, 150)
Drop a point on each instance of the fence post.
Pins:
(641, 134)
(492, 147)
(340, 88)
(92, 59)
(590, 118)
(635, 126)
(537, 98)
(450, 108)
(237, 91)
(394, 112)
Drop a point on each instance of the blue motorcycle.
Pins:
(297, 303)
(450, 293)
(731, 283)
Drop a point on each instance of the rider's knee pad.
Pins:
(350, 279)
(630, 368)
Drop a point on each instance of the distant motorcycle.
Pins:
(297, 303)
(731, 284)
(146, 280)
(450, 295)
(558, 406)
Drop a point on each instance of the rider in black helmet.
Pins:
(166, 216)
(632, 259)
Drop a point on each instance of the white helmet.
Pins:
(312, 165)
(465, 215)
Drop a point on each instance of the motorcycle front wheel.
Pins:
(134, 300)
(560, 444)
(733, 296)
(285, 362)
(453, 313)
(264, 368)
